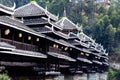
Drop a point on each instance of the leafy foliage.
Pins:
(113, 74)
(4, 77)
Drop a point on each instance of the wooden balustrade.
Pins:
(56, 50)
(20, 45)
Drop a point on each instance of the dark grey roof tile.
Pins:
(8, 21)
(6, 9)
(33, 9)
(66, 24)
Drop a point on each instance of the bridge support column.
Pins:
(93, 76)
(76, 77)
(55, 77)
(103, 76)
(61, 77)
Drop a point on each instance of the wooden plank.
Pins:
(20, 64)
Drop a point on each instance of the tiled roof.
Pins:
(25, 53)
(6, 9)
(55, 25)
(72, 35)
(43, 29)
(97, 62)
(61, 34)
(8, 21)
(66, 24)
(61, 56)
(32, 9)
(84, 60)
(84, 37)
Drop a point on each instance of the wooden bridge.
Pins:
(35, 45)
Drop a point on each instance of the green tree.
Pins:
(4, 77)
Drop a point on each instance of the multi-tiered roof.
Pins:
(53, 42)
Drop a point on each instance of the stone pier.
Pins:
(103, 76)
(76, 77)
(90, 76)
(93, 76)
(60, 77)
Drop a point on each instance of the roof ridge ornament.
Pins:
(64, 13)
(46, 8)
(80, 29)
(14, 6)
(58, 15)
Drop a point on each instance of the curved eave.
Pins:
(82, 44)
(60, 34)
(84, 60)
(52, 73)
(61, 56)
(94, 50)
(85, 50)
(79, 72)
(57, 41)
(97, 62)
(97, 54)
(6, 11)
(105, 63)
(53, 17)
(55, 25)
(25, 53)
(10, 25)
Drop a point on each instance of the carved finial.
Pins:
(64, 14)
(77, 24)
(46, 8)
(81, 29)
(58, 16)
(14, 6)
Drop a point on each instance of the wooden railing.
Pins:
(20, 45)
(56, 50)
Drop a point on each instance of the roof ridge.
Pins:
(65, 18)
(30, 4)
(71, 22)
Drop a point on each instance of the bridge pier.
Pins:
(76, 77)
(60, 77)
(93, 76)
(90, 76)
(103, 76)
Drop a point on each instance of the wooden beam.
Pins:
(0, 33)
(20, 64)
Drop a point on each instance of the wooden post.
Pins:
(0, 34)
